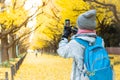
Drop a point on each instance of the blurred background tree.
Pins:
(49, 34)
(16, 28)
(108, 23)
(58, 10)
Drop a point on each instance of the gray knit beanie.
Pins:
(87, 20)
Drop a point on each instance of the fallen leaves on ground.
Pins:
(45, 67)
(49, 67)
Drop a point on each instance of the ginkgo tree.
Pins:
(70, 9)
(47, 36)
(10, 22)
(108, 21)
(108, 5)
(107, 14)
(54, 15)
(13, 18)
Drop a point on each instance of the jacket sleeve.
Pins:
(65, 49)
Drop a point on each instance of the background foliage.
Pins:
(49, 17)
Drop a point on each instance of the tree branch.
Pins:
(16, 40)
(15, 28)
(55, 15)
(112, 7)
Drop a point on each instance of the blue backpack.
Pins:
(96, 60)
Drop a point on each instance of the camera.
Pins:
(73, 28)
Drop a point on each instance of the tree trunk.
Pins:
(12, 49)
(1, 41)
(17, 50)
(4, 49)
(0, 53)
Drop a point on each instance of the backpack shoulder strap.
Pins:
(98, 40)
(86, 43)
(83, 42)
